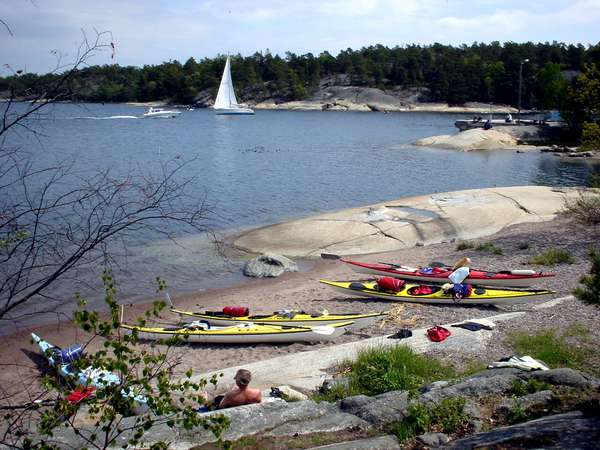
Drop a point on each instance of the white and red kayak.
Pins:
(509, 278)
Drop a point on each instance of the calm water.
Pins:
(274, 166)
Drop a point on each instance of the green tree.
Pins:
(551, 86)
(589, 292)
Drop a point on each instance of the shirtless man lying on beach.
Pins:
(241, 394)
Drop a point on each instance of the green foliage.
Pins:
(521, 388)
(465, 245)
(146, 390)
(583, 98)
(590, 137)
(517, 415)
(479, 72)
(589, 292)
(552, 257)
(594, 181)
(447, 416)
(384, 369)
(552, 86)
(553, 349)
(489, 247)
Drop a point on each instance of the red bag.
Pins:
(390, 284)
(80, 393)
(422, 289)
(236, 311)
(437, 333)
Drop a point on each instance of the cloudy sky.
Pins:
(153, 31)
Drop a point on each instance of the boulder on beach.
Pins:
(269, 265)
(475, 139)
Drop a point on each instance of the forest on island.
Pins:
(454, 74)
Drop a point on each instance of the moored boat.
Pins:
(509, 278)
(243, 333)
(422, 293)
(288, 318)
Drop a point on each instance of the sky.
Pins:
(154, 31)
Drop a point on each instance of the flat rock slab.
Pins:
(377, 443)
(405, 222)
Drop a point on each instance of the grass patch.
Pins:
(554, 349)
(552, 257)
(521, 388)
(489, 247)
(465, 245)
(383, 369)
(447, 417)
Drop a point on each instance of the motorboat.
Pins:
(160, 113)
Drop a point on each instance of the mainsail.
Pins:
(226, 96)
(226, 103)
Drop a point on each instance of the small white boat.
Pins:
(160, 113)
(226, 102)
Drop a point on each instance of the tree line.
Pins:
(453, 74)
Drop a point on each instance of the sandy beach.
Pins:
(303, 291)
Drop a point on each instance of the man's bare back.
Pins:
(241, 394)
(238, 397)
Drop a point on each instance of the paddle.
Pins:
(325, 330)
(330, 256)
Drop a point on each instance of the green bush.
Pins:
(465, 245)
(521, 388)
(379, 370)
(590, 137)
(383, 369)
(590, 291)
(489, 247)
(585, 208)
(447, 416)
(552, 257)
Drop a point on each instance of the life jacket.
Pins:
(390, 284)
(236, 311)
(437, 333)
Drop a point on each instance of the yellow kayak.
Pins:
(420, 293)
(289, 318)
(243, 333)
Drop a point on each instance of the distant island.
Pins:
(375, 77)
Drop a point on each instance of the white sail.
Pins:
(226, 102)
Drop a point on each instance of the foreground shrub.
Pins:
(383, 369)
(447, 416)
(590, 137)
(590, 291)
(585, 208)
(552, 257)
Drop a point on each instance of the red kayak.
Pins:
(514, 278)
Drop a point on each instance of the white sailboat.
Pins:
(226, 103)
